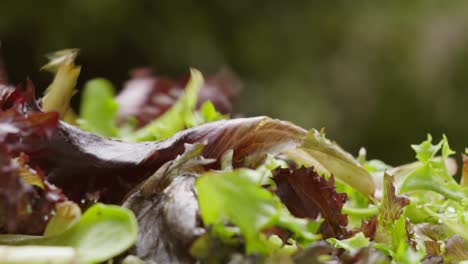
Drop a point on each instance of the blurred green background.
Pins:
(379, 74)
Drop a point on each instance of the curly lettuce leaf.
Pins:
(391, 206)
(306, 194)
(433, 175)
(26, 197)
(392, 234)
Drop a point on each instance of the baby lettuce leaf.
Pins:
(391, 206)
(433, 175)
(167, 210)
(168, 222)
(58, 94)
(208, 113)
(26, 197)
(103, 232)
(308, 195)
(177, 118)
(98, 108)
(392, 234)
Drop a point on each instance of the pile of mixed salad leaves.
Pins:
(161, 174)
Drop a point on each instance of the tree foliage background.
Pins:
(375, 73)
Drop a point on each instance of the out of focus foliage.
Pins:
(375, 75)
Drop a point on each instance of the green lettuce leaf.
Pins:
(208, 113)
(103, 232)
(433, 175)
(179, 117)
(392, 235)
(98, 108)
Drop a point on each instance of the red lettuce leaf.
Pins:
(306, 194)
(392, 205)
(146, 97)
(23, 207)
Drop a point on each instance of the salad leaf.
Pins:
(306, 194)
(20, 201)
(98, 108)
(392, 234)
(58, 94)
(178, 117)
(391, 206)
(433, 174)
(167, 222)
(103, 232)
(208, 113)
